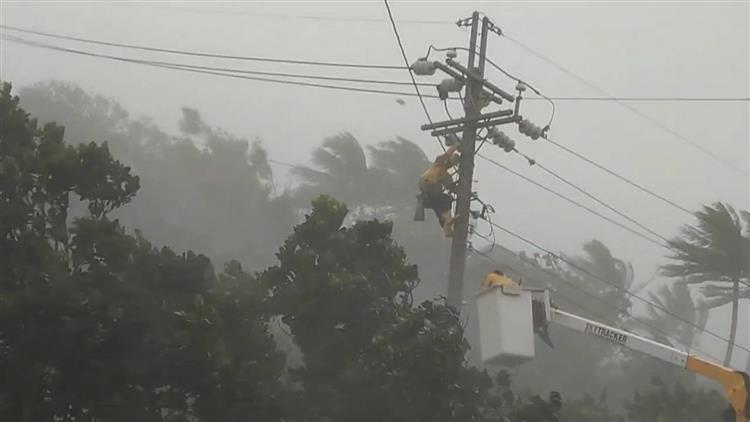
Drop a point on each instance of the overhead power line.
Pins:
(572, 201)
(200, 54)
(621, 177)
(639, 113)
(618, 287)
(557, 176)
(197, 69)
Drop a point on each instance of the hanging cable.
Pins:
(578, 204)
(621, 177)
(634, 110)
(178, 66)
(533, 162)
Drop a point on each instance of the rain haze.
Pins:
(692, 152)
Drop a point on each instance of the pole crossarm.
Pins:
(487, 123)
(487, 84)
(437, 125)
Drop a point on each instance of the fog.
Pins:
(660, 49)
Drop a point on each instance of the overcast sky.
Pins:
(667, 49)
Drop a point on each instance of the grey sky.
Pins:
(629, 49)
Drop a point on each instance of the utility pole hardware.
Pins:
(479, 93)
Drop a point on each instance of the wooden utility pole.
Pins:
(472, 109)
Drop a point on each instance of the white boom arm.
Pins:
(735, 383)
(624, 338)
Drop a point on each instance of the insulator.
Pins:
(451, 139)
(451, 54)
(510, 145)
(524, 126)
(448, 85)
(535, 132)
(423, 67)
(520, 86)
(451, 85)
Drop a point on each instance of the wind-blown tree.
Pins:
(388, 181)
(96, 324)
(673, 315)
(368, 353)
(661, 403)
(205, 189)
(714, 251)
(384, 187)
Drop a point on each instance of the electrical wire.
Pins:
(621, 177)
(445, 105)
(194, 69)
(535, 162)
(411, 72)
(620, 288)
(200, 54)
(634, 110)
(572, 201)
(517, 79)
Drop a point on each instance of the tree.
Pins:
(96, 324)
(670, 300)
(345, 293)
(661, 403)
(204, 189)
(715, 251)
(388, 182)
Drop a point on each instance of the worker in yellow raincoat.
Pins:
(436, 186)
(497, 278)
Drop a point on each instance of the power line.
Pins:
(200, 54)
(621, 309)
(588, 194)
(620, 288)
(572, 201)
(193, 69)
(666, 245)
(641, 114)
(621, 177)
(406, 62)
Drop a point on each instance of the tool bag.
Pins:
(419, 211)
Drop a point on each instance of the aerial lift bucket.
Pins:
(506, 331)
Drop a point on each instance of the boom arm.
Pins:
(735, 383)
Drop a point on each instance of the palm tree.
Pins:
(340, 169)
(599, 263)
(678, 300)
(714, 252)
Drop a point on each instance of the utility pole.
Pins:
(479, 93)
(472, 109)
